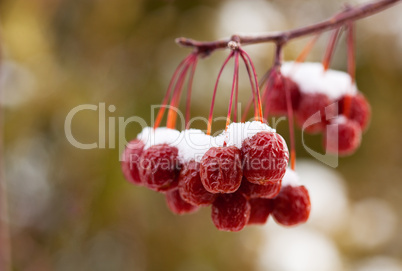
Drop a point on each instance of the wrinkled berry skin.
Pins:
(276, 98)
(230, 212)
(343, 138)
(260, 210)
(309, 105)
(291, 206)
(359, 109)
(131, 158)
(190, 186)
(177, 204)
(251, 190)
(159, 167)
(221, 170)
(265, 158)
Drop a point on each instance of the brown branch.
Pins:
(348, 15)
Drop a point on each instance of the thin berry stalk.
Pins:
(330, 49)
(169, 90)
(211, 111)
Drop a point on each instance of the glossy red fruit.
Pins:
(260, 210)
(230, 212)
(159, 167)
(291, 206)
(311, 104)
(131, 158)
(277, 94)
(359, 109)
(342, 137)
(265, 158)
(190, 186)
(252, 190)
(177, 204)
(221, 170)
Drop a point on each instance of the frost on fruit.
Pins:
(221, 170)
(313, 79)
(246, 173)
(159, 167)
(265, 158)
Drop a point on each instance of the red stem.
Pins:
(211, 111)
(267, 95)
(234, 85)
(291, 125)
(172, 113)
(256, 83)
(254, 93)
(169, 90)
(351, 52)
(237, 92)
(307, 49)
(330, 49)
(189, 89)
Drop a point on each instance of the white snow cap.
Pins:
(311, 78)
(193, 143)
(290, 178)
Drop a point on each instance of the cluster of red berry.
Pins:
(318, 106)
(244, 180)
(243, 184)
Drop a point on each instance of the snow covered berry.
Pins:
(260, 210)
(268, 190)
(292, 205)
(131, 158)
(221, 170)
(343, 137)
(311, 104)
(265, 157)
(230, 212)
(159, 167)
(177, 204)
(190, 186)
(358, 109)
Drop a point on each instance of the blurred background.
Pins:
(71, 209)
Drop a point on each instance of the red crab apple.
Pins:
(359, 109)
(292, 205)
(131, 158)
(311, 104)
(343, 136)
(252, 190)
(265, 158)
(277, 94)
(260, 210)
(230, 212)
(159, 167)
(190, 186)
(177, 204)
(221, 170)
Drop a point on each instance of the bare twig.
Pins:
(348, 15)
